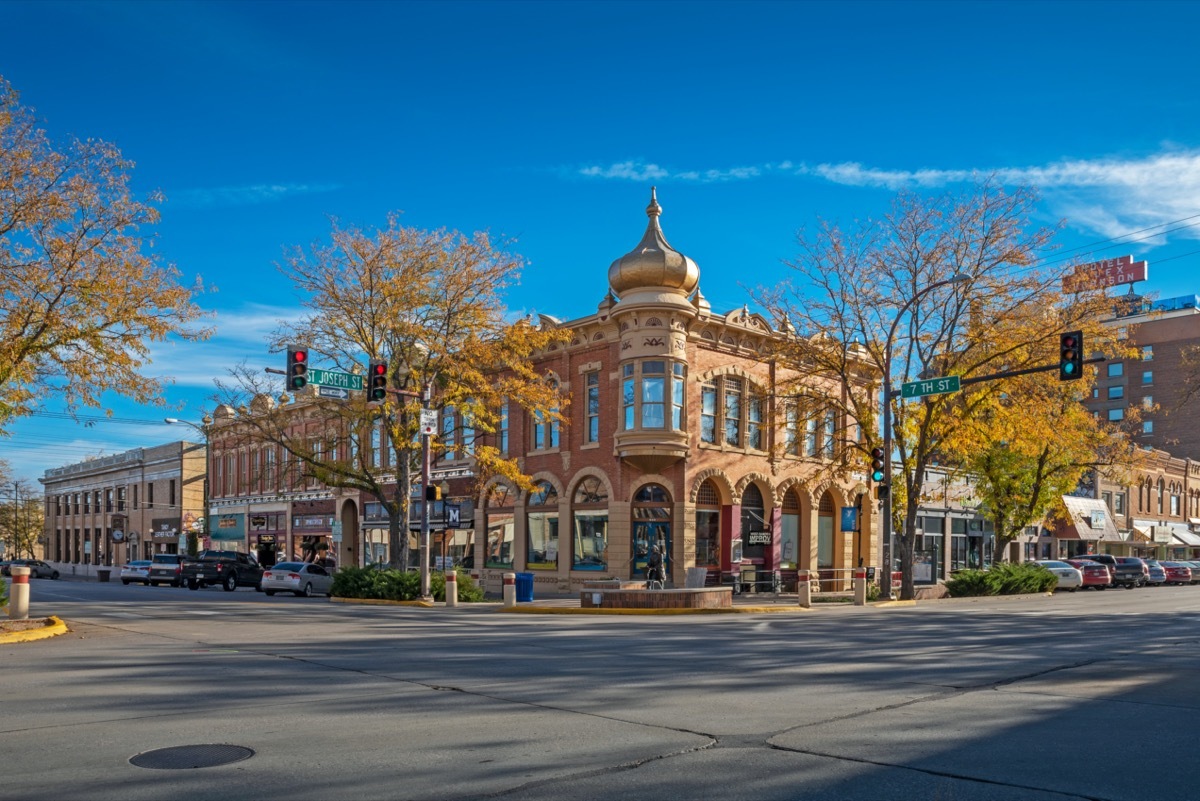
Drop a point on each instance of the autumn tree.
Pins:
(1029, 446)
(81, 295)
(430, 304)
(939, 286)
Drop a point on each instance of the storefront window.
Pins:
(542, 527)
(591, 525)
(498, 516)
(651, 527)
(708, 526)
(756, 535)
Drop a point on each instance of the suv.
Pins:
(166, 568)
(1131, 572)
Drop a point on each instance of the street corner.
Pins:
(39, 629)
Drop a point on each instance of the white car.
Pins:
(138, 570)
(1069, 578)
(299, 578)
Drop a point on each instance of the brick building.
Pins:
(676, 438)
(127, 506)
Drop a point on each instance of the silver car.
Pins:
(298, 578)
(137, 570)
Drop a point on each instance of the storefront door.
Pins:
(647, 534)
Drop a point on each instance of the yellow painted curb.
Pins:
(54, 627)
(574, 610)
(380, 602)
(887, 604)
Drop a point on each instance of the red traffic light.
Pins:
(297, 368)
(299, 355)
(378, 368)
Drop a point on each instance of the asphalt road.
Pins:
(1090, 695)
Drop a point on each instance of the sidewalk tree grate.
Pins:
(185, 757)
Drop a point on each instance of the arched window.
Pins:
(541, 518)
(590, 508)
(708, 525)
(651, 527)
(756, 534)
(498, 517)
(1161, 485)
(789, 546)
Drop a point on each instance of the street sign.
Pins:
(452, 515)
(930, 386)
(332, 392)
(328, 378)
(429, 422)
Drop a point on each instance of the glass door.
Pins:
(647, 534)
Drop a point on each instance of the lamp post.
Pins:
(423, 549)
(205, 421)
(886, 590)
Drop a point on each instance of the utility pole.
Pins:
(423, 550)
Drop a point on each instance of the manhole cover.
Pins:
(183, 757)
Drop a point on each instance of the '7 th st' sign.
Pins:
(930, 386)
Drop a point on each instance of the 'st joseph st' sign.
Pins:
(328, 378)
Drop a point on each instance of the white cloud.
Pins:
(1110, 196)
(254, 194)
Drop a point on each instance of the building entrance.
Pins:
(645, 536)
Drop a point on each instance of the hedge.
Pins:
(399, 585)
(1002, 579)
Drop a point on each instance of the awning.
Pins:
(1185, 538)
(1089, 519)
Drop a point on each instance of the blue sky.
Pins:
(549, 121)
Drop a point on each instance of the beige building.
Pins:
(131, 505)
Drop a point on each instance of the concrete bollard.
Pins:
(510, 589)
(804, 588)
(451, 588)
(860, 586)
(18, 593)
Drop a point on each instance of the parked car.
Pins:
(1106, 559)
(227, 569)
(1131, 572)
(37, 568)
(1195, 566)
(137, 570)
(299, 578)
(1177, 572)
(1095, 575)
(1155, 574)
(167, 568)
(1069, 578)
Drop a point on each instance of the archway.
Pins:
(651, 528)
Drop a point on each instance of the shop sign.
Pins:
(1106, 273)
(758, 538)
(258, 522)
(849, 518)
(165, 527)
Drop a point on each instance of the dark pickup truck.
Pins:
(229, 569)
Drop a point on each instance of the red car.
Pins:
(1095, 575)
(1177, 572)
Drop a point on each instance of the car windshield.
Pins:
(295, 567)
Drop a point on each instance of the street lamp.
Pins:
(886, 591)
(205, 421)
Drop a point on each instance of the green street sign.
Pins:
(328, 378)
(930, 386)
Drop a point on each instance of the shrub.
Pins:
(1002, 579)
(399, 585)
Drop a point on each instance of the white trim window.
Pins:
(652, 394)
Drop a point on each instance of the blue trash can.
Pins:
(524, 587)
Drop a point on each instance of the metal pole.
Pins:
(424, 546)
(885, 503)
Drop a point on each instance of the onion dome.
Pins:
(653, 265)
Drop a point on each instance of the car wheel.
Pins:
(54, 576)
(304, 593)
(258, 588)
(230, 583)
(193, 585)
(269, 593)
(1072, 589)
(1102, 588)
(152, 583)
(125, 582)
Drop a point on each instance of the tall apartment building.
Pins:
(127, 506)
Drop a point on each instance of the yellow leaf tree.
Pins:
(81, 298)
(430, 304)
(948, 285)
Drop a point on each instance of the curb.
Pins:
(890, 604)
(54, 627)
(568, 610)
(379, 602)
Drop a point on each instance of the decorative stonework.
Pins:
(751, 478)
(719, 478)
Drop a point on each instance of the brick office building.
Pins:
(131, 505)
(674, 438)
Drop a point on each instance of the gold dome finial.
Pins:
(653, 265)
(653, 210)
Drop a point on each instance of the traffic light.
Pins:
(433, 492)
(297, 367)
(377, 380)
(877, 464)
(1070, 356)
